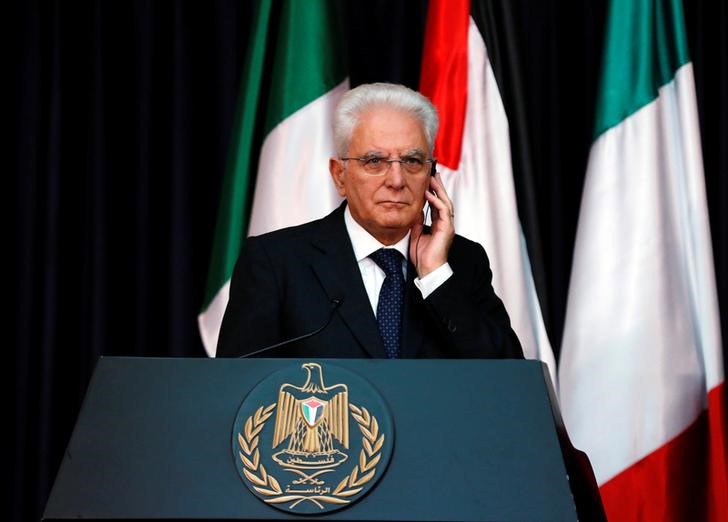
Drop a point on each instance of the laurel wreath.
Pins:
(266, 484)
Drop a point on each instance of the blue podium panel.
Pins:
(473, 440)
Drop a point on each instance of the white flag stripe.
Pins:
(294, 185)
(483, 194)
(210, 320)
(642, 331)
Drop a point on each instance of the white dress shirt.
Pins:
(364, 244)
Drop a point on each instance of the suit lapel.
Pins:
(337, 271)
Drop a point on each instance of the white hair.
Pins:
(358, 100)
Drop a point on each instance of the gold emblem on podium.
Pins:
(308, 447)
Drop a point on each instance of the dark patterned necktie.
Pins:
(391, 299)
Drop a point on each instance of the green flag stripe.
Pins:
(306, 63)
(646, 45)
(307, 59)
(232, 214)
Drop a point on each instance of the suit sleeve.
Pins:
(251, 319)
(469, 317)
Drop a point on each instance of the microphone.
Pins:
(335, 304)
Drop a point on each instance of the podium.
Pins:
(473, 440)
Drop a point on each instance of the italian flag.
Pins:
(641, 376)
(473, 150)
(293, 79)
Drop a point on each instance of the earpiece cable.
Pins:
(417, 244)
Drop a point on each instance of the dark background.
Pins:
(120, 115)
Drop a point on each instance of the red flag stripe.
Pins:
(444, 77)
(718, 463)
(682, 480)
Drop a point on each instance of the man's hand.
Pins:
(429, 251)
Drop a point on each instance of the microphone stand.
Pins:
(335, 304)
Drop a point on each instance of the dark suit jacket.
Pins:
(284, 283)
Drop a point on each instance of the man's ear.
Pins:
(338, 174)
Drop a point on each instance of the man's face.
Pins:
(387, 205)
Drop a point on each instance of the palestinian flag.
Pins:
(641, 376)
(474, 152)
(293, 79)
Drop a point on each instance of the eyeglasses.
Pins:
(378, 166)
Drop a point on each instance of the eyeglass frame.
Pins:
(362, 159)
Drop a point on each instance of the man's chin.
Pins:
(396, 224)
(395, 218)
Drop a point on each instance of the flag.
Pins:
(293, 79)
(641, 376)
(473, 150)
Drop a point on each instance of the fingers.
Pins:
(442, 207)
(442, 193)
(434, 247)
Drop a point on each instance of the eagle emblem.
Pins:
(289, 441)
(311, 418)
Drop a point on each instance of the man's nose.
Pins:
(395, 176)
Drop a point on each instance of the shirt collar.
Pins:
(364, 243)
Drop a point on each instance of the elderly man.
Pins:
(378, 281)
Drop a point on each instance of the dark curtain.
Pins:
(120, 115)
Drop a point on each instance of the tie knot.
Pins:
(389, 260)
